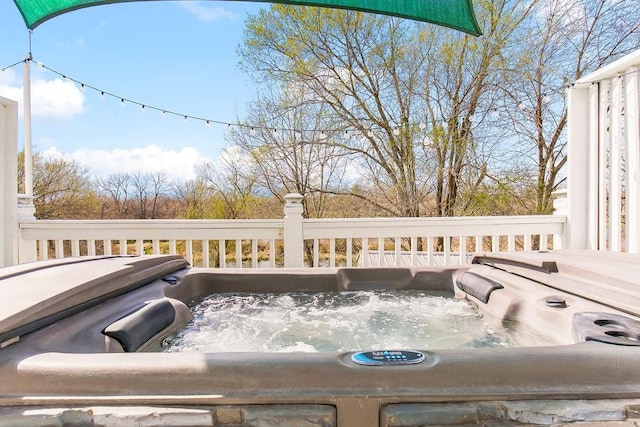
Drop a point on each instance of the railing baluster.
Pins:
(238, 253)
(254, 253)
(189, 250)
(222, 253)
(44, 249)
(381, 261)
(205, 253)
(364, 252)
(462, 242)
(349, 243)
(396, 249)
(414, 250)
(59, 248)
(139, 246)
(272, 253)
(91, 247)
(511, 242)
(172, 247)
(332, 252)
(430, 250)
(447, 250)
(75, 248)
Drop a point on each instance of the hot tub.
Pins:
(82, 340)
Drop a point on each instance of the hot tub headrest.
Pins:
(135, 329)
(477, 286)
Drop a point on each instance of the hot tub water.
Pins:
(332, 321)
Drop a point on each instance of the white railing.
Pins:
(296, 242)
(604, 158)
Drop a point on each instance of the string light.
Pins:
(252, 128)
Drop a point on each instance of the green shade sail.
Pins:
(457, 14)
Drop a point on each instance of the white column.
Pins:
(9, 231)
(26, 104)
(292, 234)
(632, 130)
(579, 118)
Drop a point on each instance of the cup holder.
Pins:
(607, 328)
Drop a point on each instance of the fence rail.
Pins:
(296, 242)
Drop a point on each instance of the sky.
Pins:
(176, 56)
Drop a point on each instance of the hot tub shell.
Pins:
(78, 337)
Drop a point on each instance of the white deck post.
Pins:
(632, 130)
(560, 209)
(9, 231)
(292, 234)
(578, 150)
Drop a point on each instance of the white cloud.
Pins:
(178, 165)
(206, 13)
(49, 99)
(7, 77)
(56, 98)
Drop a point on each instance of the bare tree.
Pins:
(390, 85)
(61, 189)
(115, 191)
(232, 180)
(559, 43)
(195, 196)
(290, 151)
(147, 188)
